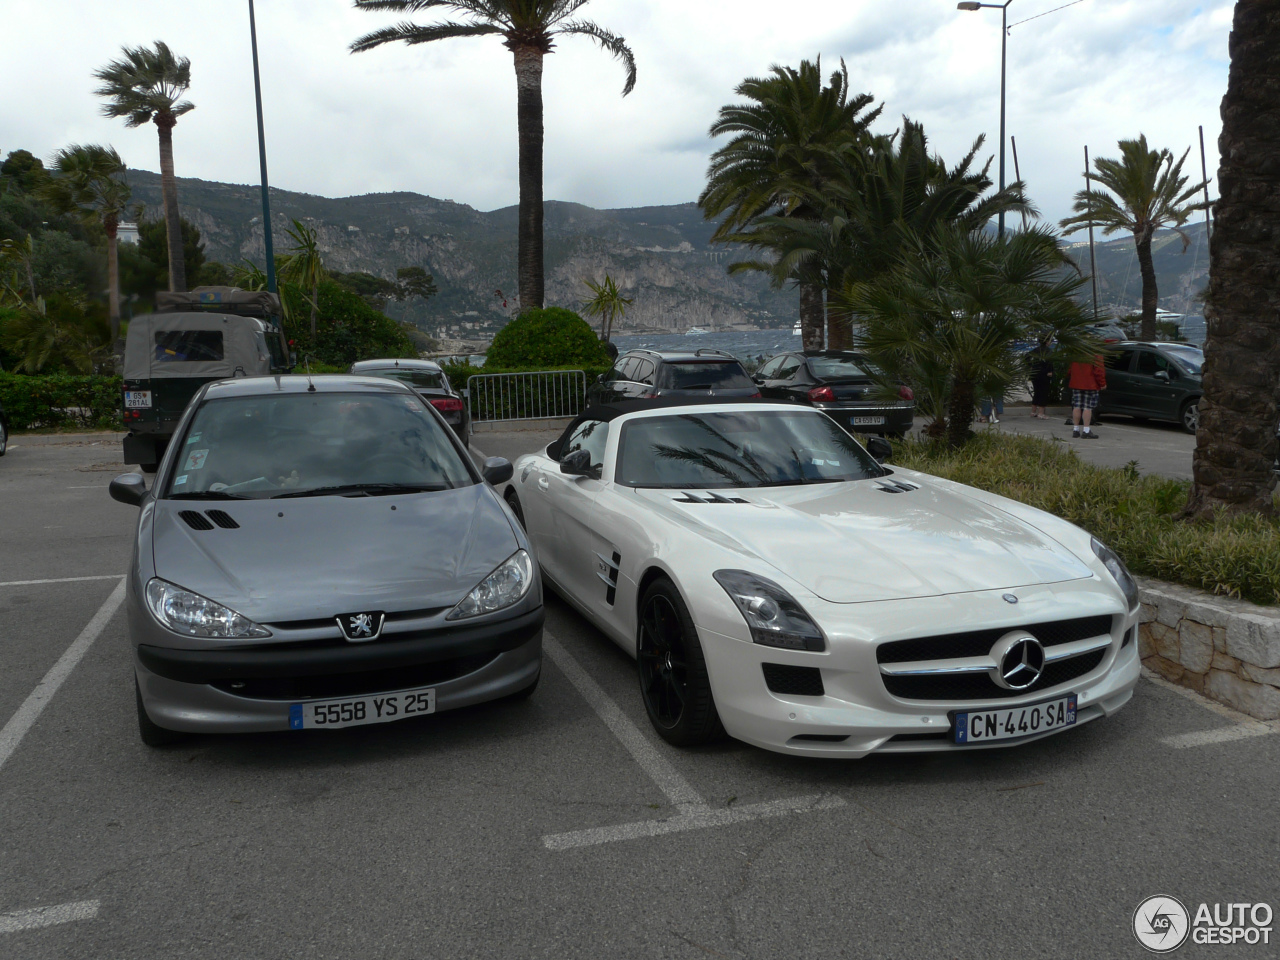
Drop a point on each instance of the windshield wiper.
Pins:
(209, 495)
(364, 490)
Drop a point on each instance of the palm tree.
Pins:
(789, 141)
(305, 267)
(90, 181)
(608, 304)
(1235, 445)
(946, 318)
(529, 29)
(147, 86)
(1148, 193)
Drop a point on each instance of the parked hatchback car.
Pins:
(322, 553)
(1157, 381)
(644, 374)
(430, 382)
(842, 385)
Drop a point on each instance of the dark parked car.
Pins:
(840, 384)
(643, 374)
(1108, 331)
(430, 382)
(1157, 381)
(4, 431)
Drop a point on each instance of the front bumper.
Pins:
(250, 691)
(856, 715)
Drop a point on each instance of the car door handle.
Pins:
(544, 483)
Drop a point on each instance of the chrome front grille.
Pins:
(959, 666)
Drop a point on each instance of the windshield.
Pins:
(1192, 358)
(739, 450)
(300, 444)
(838, 368)
(419, 379)
(706, 375)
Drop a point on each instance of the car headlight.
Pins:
(1119, 571)
(773, 615)
(507, 585)
(195, 616)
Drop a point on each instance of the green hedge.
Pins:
(546, 339)
(1135, 515)
(61, 400)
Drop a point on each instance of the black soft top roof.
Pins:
(611, 411)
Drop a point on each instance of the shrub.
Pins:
(61, 400)
(546, 339)
(1136, 515)
(347, 330)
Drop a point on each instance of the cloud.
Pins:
(440, 119)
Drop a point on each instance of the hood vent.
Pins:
(200, 521)
(707, 497)
(896, 486)
(196, 521)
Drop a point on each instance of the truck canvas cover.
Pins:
(207, 345)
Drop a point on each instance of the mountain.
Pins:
(661, 256)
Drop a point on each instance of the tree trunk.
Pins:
(960, 411)
(528, 62)
(1236, 445)
(812, 316)
(839, 328)
(1150, 293)
(165, 123)
(315, 299)
(112, 227)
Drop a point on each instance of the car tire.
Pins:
(1189, 416)
(513, 501)
(674, 683)
(152, 734)
(149, 467)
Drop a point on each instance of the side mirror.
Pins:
(1162, 375)
(577, 464)
(128, 488)
(880, 448)
(496, 470)
(600, 378)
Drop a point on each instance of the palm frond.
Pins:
(609, 42)
(413, 34)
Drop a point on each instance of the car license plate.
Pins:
(867, 421)
(354, 711)
(985, 726)
(137, 399)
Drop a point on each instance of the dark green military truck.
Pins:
(211, 333)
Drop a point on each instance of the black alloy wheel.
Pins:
(673, 674)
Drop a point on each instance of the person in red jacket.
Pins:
(1087, 381)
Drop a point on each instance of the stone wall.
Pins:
(1228, 650)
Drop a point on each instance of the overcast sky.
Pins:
(440, 119)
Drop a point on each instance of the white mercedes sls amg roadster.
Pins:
(776, 582)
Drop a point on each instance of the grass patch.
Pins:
(1133, 514)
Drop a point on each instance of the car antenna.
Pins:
(311, 385)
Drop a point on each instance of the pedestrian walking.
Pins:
(1086, 382)
(992, 409)
(1041, 382)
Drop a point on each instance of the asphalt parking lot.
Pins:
(560, 826)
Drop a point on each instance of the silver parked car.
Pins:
(320, 553)
(431, 383)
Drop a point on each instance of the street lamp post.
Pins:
(970, 5)
(262, 157)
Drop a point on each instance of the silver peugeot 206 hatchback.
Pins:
(318, 553)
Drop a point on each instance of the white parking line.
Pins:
(1242, 726)
(29, 583)
(48, 916)
(695, 812)
(34, 705)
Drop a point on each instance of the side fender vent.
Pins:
(607, 571)
(222, 519)
(196, 520)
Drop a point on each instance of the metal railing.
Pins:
(543, 394)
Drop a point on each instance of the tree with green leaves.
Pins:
(58, 332)
(305, 266)
(1147, 192)
(529, 29)
(90, 182)
(945, 319)
(608, 304)
(147, 86)
(789, 140)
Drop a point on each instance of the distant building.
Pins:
(127, 232)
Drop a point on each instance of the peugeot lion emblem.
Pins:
(361, 627)
(1019, 661)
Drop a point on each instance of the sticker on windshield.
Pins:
(194, 438)
(180, 481)
(195, 460)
